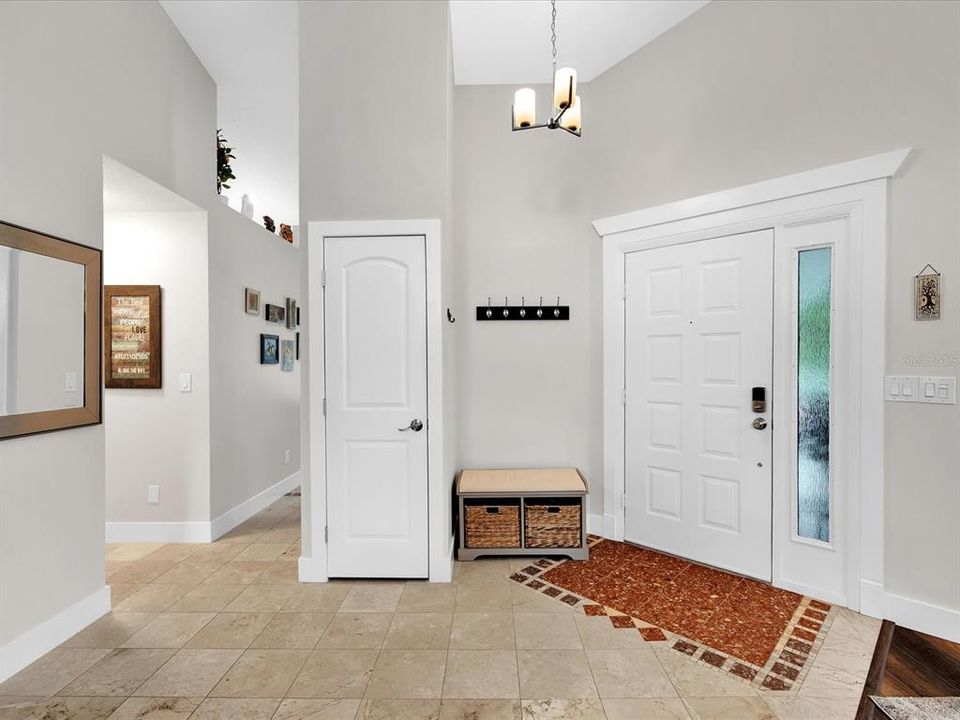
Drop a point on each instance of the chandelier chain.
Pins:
(553, 30)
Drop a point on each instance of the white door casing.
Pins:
(376, 403)
(856, 190)
(698, 322)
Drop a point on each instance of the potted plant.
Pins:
(224, 171)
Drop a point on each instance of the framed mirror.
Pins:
(50, 312)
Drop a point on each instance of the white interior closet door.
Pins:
(376, 394)
(698, 338)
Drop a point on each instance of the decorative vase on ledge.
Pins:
(246, 207)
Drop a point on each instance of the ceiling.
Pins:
(249, 47)
(508, 41)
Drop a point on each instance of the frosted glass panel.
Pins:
(813, 394)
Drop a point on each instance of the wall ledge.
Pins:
(39, 640)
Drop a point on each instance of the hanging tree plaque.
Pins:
(927, 294)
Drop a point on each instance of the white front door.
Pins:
(698, 333)
(376, 393)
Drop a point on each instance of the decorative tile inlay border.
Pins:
(784, 670)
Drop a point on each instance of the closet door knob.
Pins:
(415, 425)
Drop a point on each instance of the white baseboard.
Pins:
(158, 532)
(23, 650)
(248, 508)
(914, 614)
(199, 532)
(595, 524)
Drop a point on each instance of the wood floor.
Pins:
(907, 663)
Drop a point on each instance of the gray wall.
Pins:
(737, 93)
(529, 392)
(374, 135)
(254, 408)
(79, 80)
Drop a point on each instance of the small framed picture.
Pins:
(927, 294)
(269, 349)
(275, 313)
(251, 301)
(291, 313)
(298, 316)
(298, 346)
(286, 355)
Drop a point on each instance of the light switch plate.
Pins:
(153, 494)
(938, 390)
(70, 382)
(186, 382)
(901, 388)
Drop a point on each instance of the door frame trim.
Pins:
(856, 189)
(313, 560)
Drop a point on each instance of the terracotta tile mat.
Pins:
(757, 633)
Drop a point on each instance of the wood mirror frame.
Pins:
(19, 238)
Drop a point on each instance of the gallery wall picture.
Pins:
(298, 346)
(269, 349)
(275, 313)
(132, 344)
(251, 301)
(291, 313)
(286, 354)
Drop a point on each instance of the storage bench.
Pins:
(522, 512)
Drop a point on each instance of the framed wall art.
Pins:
(286, 355)
(132, 336)
(291, 313)
(251, 301)
(274, 313)
(927, 294)
(298, 346)
(269, 349)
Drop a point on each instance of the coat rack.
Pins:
(522, 311)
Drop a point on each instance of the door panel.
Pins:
(376, 373)
(698, 338)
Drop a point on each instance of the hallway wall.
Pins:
(161, 437)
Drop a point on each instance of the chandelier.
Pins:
(566, 102)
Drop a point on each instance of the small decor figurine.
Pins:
(246, 207)
(286, 232)
(927, 291)
(224, 156)
(268, 223)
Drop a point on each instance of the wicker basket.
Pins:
(492, 526)
(552, 526)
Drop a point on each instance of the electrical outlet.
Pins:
(286, 457)
(153, 494)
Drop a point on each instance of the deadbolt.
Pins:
(759, 424)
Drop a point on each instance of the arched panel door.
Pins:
(376, 393)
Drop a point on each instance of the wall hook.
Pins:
(556, 310)
(506, 309)
(523, 310)
(450, 317)
(489, 311)
(540, 309)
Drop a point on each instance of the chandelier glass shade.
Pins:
(567, 106)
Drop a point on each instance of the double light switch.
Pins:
(921, 389)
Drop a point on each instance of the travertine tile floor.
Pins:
(225, 631)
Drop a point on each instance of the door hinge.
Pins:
(623, 501)
(324, 407)
(323, 278)
(623, 396)
(326, 534)
(623, 291)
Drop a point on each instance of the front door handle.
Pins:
(414, 425)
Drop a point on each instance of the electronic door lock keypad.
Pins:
(759, 400)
